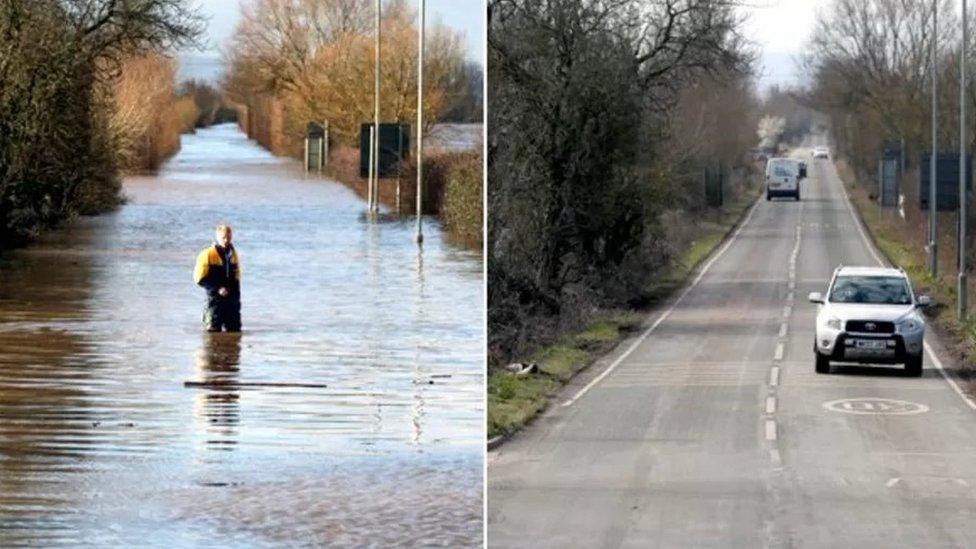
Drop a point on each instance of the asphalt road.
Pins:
(711, 428)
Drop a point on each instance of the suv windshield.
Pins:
(880, 290)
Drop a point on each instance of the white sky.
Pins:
(780, 29)
(466, 16)
(782, 25)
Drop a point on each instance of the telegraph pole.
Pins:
(375, 143)
(933, 196)
(420, 123)
(962, 289)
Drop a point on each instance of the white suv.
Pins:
(869, 315)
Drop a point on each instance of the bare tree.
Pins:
(314, 59)
(581, 99)
(58, 64)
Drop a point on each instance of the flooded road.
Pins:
(349, 412)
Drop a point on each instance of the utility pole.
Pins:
(374, 205)
(369, 193)
(933, 196)
(369, 181)
(420, 123)
(963, 287)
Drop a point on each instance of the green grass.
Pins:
(514, 401)
(597, 334)
(561, 361)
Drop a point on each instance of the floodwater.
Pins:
(455, 137)
(349, 412)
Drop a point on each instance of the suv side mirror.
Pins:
(815, 297)
(923, 301)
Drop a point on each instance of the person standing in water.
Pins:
(218, 271)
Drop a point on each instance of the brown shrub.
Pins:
(147, 121)
(453, 188)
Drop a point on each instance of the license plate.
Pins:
(871, 344)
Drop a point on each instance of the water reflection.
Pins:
(217, 399)
(420, 379)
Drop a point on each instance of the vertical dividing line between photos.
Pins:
(484, 262)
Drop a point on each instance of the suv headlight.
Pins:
(834, 323)
(908, 326)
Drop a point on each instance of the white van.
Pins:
(782, 178)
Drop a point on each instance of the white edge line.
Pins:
(667, 312)
(938, 366)
(928, 349)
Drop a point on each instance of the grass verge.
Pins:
(513, 401)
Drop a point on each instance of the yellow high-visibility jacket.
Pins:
(211, 273)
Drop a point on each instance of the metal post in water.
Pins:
(399, 163)
(375, 142)
(420, 122)
(963, 287)
(324, 160)
(369, 189)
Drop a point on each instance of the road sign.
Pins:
(714, 183)
(895, 149)
(888, 182)
(394, 146)
(316, 146)
(947, 178)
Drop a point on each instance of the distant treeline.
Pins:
(602, 117)
(84, 94)
(292, 62)
(869, 65)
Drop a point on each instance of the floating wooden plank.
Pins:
(245, 385)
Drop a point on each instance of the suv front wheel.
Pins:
(913, 366)
(823, 363)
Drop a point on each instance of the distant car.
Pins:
(782, 178)
(820, 152)
(869, 315)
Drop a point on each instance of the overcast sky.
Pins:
(466, 16)
(781, 28)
